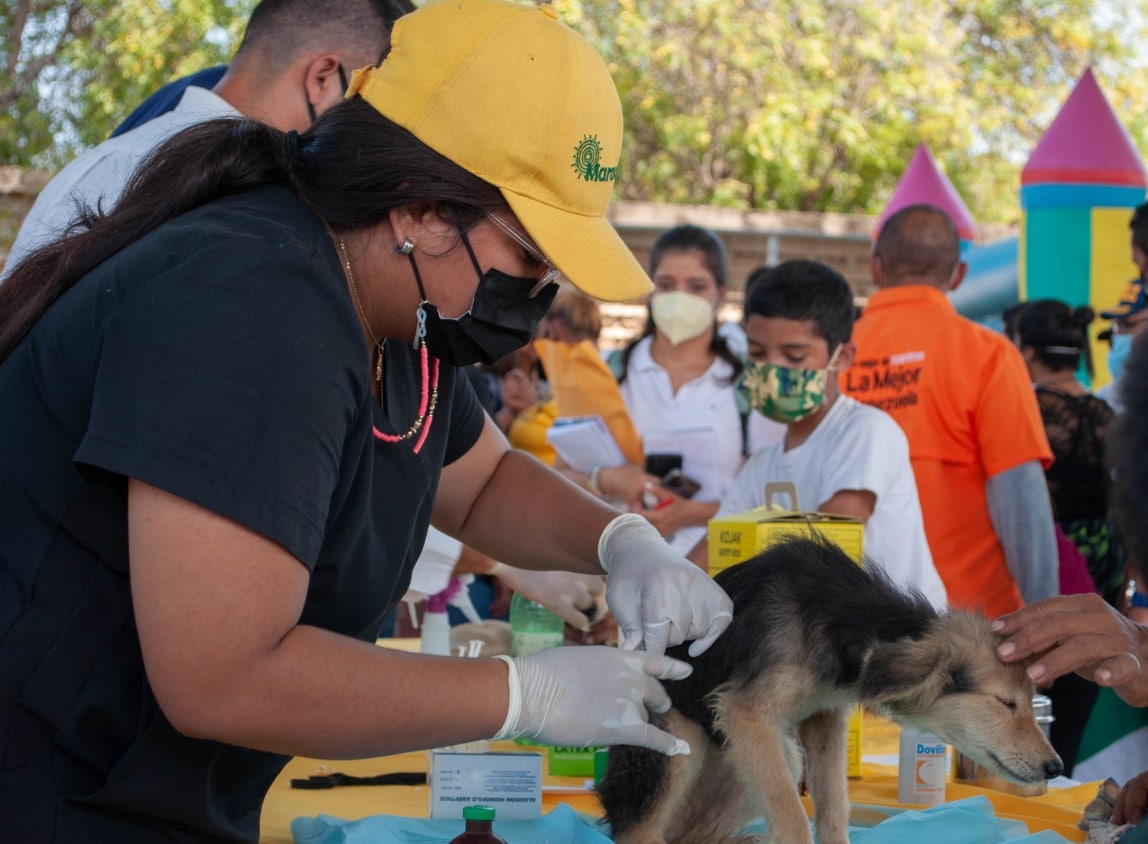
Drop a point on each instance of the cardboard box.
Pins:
(737, 537)
(571, 761)
(853, 744)
(511, 783)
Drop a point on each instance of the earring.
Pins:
(405, 248)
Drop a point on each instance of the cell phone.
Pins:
(679, 483)
(659, 464)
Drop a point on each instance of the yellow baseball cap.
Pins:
(516, 97)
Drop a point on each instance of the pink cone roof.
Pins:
(1086, 144)
(922, 182)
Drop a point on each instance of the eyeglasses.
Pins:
(549, 274)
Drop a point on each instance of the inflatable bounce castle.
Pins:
(1077, 193)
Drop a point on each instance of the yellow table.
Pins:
(1057, 810)
(353, 802)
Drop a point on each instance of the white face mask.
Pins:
(681, 316)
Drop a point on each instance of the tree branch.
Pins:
(77, 25)
(16, 36)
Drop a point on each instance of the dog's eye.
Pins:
(1009, 703)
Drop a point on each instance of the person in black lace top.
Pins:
(1053, 340)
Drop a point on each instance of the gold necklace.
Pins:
(426, 404)
(379, 345)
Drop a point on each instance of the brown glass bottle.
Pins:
(479, 823)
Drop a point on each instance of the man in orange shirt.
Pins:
(963, 397)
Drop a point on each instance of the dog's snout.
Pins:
(1053, 768)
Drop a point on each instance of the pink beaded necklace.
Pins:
(428, 370)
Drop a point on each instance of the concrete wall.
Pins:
(18, 189)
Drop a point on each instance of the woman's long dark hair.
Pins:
(686, 238)
(350, 168)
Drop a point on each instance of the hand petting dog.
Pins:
(1080, 633)
(659, 597)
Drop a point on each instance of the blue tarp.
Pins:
(970, 821)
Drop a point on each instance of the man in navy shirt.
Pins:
(168, 97)
(293, 64)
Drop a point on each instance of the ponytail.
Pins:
(1057, 333)
(204, 162)
(1083, 316)
(351, 167)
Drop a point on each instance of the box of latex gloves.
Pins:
(508, 782)
(739, 537)
(571, 761)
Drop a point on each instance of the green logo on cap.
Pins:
(586, 157)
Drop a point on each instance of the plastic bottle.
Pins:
(435, 627)
(922, 769)
(434, 635)
(533, 628)
(479, 827)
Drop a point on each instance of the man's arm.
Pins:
(1021, 514)
(854, 503)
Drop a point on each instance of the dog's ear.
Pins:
(907, 669)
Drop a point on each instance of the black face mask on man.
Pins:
(502, 317)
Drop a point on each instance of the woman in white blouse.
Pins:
(677, 380)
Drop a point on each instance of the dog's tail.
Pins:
(631, 788)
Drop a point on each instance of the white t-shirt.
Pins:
(855, 447)
(701, 422)
(763, 432)
(101, 174)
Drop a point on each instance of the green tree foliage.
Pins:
(817, 106)
(790, 104)
(75, 68)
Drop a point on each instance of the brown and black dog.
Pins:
(812, 634)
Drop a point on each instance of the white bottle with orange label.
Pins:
(923, 768)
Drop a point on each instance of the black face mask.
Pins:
(502, 317)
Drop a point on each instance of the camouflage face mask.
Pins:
(783, 393)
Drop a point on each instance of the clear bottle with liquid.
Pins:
(479, 827)
(533, 628)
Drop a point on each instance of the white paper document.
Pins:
(584, 442)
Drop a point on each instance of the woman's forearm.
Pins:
(327, 696)
(530, 516)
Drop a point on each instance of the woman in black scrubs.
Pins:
(231, 410)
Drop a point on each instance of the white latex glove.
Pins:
(565, 593)
(658, 596)
(591, 695)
